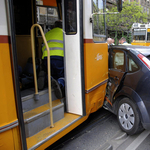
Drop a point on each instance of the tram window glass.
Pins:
(148, 36)
(139, 37)
(70, 17)
(98, 22)
(46, 17)
(139, 34)
(23, 18)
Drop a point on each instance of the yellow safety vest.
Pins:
(54, 39)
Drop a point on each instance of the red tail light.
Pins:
(145, 60)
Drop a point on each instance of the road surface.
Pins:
(102, 132)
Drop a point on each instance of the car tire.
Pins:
(128, 117)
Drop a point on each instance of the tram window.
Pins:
(70, 17)
(23, 18)
(142, 37)
(139, 37)
(46, 17)
(139, 34)
(148, 36)
(135, 37)
(98, 22)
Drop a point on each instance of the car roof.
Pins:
(145, 50)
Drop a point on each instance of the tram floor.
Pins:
(102, 132)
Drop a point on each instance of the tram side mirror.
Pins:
(119, 5)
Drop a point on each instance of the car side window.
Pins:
(132, 66)
(117, 60)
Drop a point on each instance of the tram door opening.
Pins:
(45, 13)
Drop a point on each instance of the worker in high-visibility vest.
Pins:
(54, 39)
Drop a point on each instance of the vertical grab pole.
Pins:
(48, 68)
(33, 58)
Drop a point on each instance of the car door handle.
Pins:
(116, 78)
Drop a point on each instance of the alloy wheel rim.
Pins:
(126, 116)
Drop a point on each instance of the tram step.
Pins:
(39, 118)
(29, 103)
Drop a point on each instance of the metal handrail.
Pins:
(48, 68)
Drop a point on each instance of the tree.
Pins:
(131, 13)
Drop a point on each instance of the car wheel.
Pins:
(128, 117)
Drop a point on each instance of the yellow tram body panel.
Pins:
(141, 34)
(95, 99)
(141, 43)
(8, 117)
(7, 91)
(96, 55)
(4, 138)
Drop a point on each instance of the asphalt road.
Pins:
(83, 130)
(102, 132)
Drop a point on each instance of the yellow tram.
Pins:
(32, 119)
(141, 34)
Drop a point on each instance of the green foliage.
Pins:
(131, 13)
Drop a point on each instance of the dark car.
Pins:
(128, 89)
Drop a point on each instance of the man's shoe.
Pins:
(57, 90)
(62, 90)
(41, 80)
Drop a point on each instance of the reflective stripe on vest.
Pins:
(58, 41)
(54, 48)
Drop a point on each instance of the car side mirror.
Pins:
(119, 5)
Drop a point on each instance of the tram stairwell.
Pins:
(42, 112)
(37, 113)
